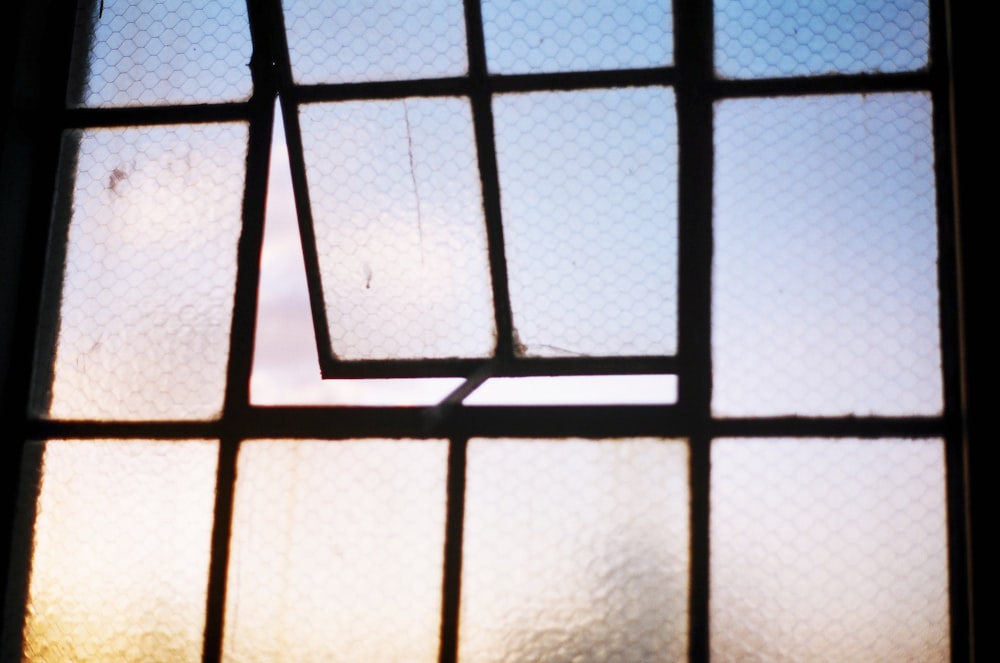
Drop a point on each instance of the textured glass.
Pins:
(344, 41)
(119, 566)
(398, 211)
(548, 36)
(829, 550)
(147, 52)
(588, 189)
(577, 390)
(761, 38)
(337, 551)
(150, 262)
(575, 550)
(825, 298)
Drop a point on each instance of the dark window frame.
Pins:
(33, 75)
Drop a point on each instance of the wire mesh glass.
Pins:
(829, 550)
(142, 273)
(152, 52)
(588, 190)
(825, 295)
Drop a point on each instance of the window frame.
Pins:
(37, 44)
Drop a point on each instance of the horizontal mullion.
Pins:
(515, 367)
(915, 426)
(487, 421)
(467, 85)
(151, 115)
(457, 86)
(828, 84)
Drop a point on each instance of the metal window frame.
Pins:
(35, 117)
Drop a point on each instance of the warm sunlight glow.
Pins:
(121, 545)
(337, 551)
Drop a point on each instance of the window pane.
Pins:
(825, 270)
(337, 551)
(148, 52)
(343, 41)
(398, 211)
(150, 261)
(762, 38)
(119, 566)
(548, 36)
(588, 184)
(829, 550)
(575, 550)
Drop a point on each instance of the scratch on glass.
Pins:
(413, 178)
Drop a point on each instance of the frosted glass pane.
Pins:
(398, 211)
(148, 52)
(119, 567)
(760, 38)
(829, 550)
(575, 550)
(825, 297)
(547, 36)
(343, 41)
(337, 551)
(588, 184)
(150, 262)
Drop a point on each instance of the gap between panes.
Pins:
(286, 367)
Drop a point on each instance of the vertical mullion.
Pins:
(956, 442)
(452, 574)
(482, 117)
(693, 57)
(237, 401)
(300, 188)
(241, 339)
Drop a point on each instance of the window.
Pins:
(749, 207)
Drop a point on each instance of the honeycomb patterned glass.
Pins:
(575, 550)
(344, 41)
(825, 269)
(337, 551)
(398, 211)
(765, 38)
(588, 189)
(829, 550)
(146, 302)
(531, 37)
(149, 52)
(119, 567)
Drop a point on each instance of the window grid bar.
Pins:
(502, 366)
(241, 339)
(492, 83)
(693, 57)
(333, 423)
(482, 118)
(85, 118)
(451, 586)
(307, 230)
(730, 88)
(286, 93)
(957, 482)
